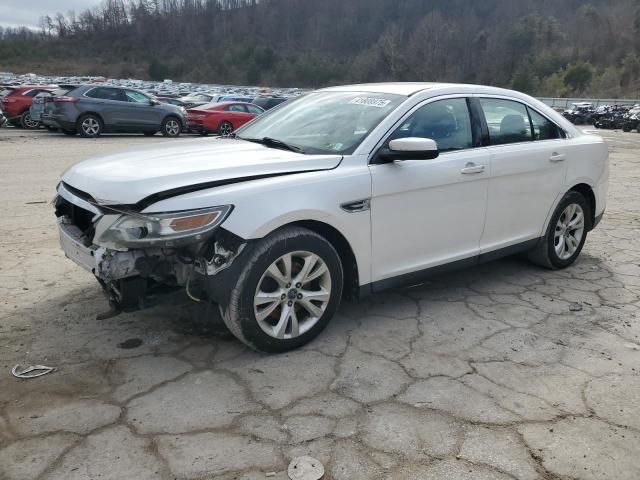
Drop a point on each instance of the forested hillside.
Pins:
(546, 47)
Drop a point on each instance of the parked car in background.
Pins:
(172, 101)
(17, 101)
(92, 110)
(37, 109)
(347, 191)
(221, 118)
(197, 99)
(268, 103)
(580, 113)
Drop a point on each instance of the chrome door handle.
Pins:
(557, 157)
(472, 168)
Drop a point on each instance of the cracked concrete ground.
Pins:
(504, 371)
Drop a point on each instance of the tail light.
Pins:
(65, 99)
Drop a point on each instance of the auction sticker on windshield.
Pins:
(370, 102)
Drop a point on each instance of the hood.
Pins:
(128, 178)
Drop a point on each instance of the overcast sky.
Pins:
(15, 13)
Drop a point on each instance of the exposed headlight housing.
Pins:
(164, 229)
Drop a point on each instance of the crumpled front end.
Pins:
(135, 278)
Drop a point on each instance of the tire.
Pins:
(626, 128)
(171, 127)
(149, 134)
(27, 122)
(225, 128)
(545, 254)
(90, 126)
(241, 314)
(69, 132)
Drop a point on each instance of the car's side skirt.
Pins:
(414, 278)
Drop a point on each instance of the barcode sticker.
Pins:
(370, 102)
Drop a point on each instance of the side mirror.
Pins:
(411, 148)
(154, 102)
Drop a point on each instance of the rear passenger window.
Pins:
(508, 121)
(543, 128)
(106, 94)
(236, 108)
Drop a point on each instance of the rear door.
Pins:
(109, 103)
(528, 169)
(238, 114)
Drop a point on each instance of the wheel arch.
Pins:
(587, 192)
(90, 112)
(172, 115)
(344, 249)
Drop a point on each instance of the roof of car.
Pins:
(398, 88)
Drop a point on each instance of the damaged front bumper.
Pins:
(135, 278)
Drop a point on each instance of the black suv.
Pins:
(94, 109)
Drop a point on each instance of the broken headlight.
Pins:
(164, 229)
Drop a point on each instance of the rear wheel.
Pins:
(171, 127)
(287, 292)
(27, 122)
(90, 126)
(225, 128)
(566, 234)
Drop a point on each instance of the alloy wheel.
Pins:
(292, 295)
(569, 231)
(30, 122)
(172, 128)
(90, 126)
(226, 129)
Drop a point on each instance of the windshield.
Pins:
(324, 122)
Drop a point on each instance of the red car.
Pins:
(221, 118)
(16, 104)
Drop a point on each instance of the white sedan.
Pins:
(344, 192)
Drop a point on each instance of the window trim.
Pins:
(527, 106)
(463, 96)
(533, 133)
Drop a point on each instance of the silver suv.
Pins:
(93, 109)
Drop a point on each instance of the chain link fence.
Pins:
(566, 102)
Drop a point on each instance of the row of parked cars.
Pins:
(93, 109)
(625, 117)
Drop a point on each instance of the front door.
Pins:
(427, 213)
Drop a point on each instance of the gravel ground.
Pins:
(499, 372)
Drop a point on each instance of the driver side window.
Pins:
(446, 121)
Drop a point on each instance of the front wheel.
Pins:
(171, 127)
(287, 292)
(566, 234)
